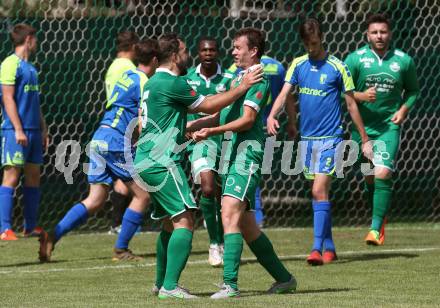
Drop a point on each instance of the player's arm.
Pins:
(291, 116)
(272, 122)
(208, 121)
(357, 120)
(12, 112)
(244, 123)
(412, 91)
(215, 103)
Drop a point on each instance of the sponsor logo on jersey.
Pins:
(237, 189)
(31, 87)
(314, 68)
(314, 92)
(395, 67)
(220, 88)
(322, 78)
(361, 52)
(194, 82)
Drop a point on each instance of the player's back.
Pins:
(24, 77)
(123, 105)
(118, 67)
(320, 85)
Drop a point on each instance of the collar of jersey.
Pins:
(165, 70)
(389, 52)
(219, 71)
(250, 69)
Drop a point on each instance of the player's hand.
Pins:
(20, 138)
(45, 139)
(367, 150)
(202, 134)
(291, 130)
(370, 95)
(252, 77)
(188, 135)
(400, 116)
(272, 126)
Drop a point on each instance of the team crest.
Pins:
(395, 67)
(192, 92)
(259, 95)
(322, 78)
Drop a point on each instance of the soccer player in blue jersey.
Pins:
(23, 131)
(107, 154)
(321, 78)
(275, 72)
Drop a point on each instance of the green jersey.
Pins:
(395, 79)
(218, 83)
(257, 98)
(118, 67)
(165, 102)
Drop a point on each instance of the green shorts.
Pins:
(385, 152)
(204, 155)
(171, 195)
(241, 183)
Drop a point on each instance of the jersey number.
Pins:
(144, 110)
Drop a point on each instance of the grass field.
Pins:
(405, 272)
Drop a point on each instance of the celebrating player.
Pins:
(24, 132)
(209, 78)
(321, 78)
(167, 99)
(108, 155)
(382, 75)
(125, 55)
(245, 118)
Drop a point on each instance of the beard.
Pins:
(183, 67)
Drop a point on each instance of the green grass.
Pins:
(405, 272)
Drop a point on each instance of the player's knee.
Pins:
(383, 173)
(184, 220)
(121, 188)
(208, 190)
(11, 176)
(319, 194)
(230, 219)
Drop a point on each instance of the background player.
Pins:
(107, 153)
(125, 55)
(386, 89)
(24, 132)
(209, 78)
(321, 79)
(167, 99)
(245, 118)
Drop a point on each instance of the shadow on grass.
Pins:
(248, 293)
(36, 262)
(375, 256)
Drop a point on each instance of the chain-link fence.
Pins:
(77, 44)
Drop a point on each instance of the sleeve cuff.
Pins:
(197, 102)
(252, 105)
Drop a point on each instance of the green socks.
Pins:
(266, 256)
(161, 256)
(381, 201)
(208, 207)
(231, 258)
(179, 248)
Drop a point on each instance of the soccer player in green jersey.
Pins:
(209, 78)
(386, 89)
(245, 118)
(125, 54)
(166, 101)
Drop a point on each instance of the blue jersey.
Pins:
(320, 85)
(124, 102)
(24, 77)
(275, 72)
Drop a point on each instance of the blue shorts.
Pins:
(319, 156)
(14, 154)
(107, 158)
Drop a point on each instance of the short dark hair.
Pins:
(255, 37)
(378, 18)
(207, 39)
(125, 41)
(146, 50)
(168, 44)
(20, 32)
(309, 28)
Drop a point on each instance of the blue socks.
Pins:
(75, 217)
(130, 223)
(321, 218)
(6, 203)
(329, 245)
(31, 199)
